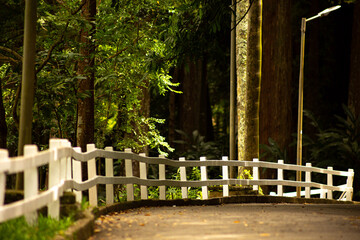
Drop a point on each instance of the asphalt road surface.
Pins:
(233, 221)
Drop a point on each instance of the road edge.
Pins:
(84, 228)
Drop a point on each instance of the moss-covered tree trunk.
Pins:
(241, 51)
(253, 81)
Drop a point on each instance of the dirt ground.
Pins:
(233, 221)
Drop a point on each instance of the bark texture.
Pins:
(85, 106)
(241, 49)
(194, 108)
(253, 78)
(354, 84)
(275, 100)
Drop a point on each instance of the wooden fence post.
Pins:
(68, 161)
(225, 175)
(129, 173)
(31, 183)
(162, 176)
(308, 180)
(255, 174)
(143, 175)
(91, 166)
(323, 193)
(4, 157)
(63, 162)
(204, 178)
(280, 177)
(184, 190)
(54, 179)
(109, 172)
(77, 175)
(329, 183)
(349, 184)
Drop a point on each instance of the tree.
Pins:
(276, 84)
(197, 59)
(194, 101)
(354, 84)
(28, 82)
(253, 81)
(28, 76)
(86, 69)
(241, 47)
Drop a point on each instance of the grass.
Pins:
(47, 228)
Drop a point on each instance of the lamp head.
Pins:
(328, 10)
(324, 12)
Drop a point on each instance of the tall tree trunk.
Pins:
(253, 79)
(354, 84)
(275, 100)
(194, 112)
(241, 50)
(85, 105)
(313, 90)
(28, 82)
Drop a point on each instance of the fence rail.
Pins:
(65, 174)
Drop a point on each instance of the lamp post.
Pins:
(301, 91)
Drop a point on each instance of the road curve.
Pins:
(233, 221)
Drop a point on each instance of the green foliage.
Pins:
(151, 138)
(245, 174)
(84, 204)
(193, 174)
(273, 152)
(196, 147)
(137, 43)
(133, 53)
(171, 192)
(337, 146)
(46, 228)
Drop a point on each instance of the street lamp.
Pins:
(301, 91)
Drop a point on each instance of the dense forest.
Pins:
(154, 76)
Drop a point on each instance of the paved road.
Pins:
(233, 221)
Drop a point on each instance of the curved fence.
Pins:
(65, 174)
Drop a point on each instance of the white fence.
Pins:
(65, 173)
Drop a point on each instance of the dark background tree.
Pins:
(354, 85)
(202, 72)
(276, 112)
